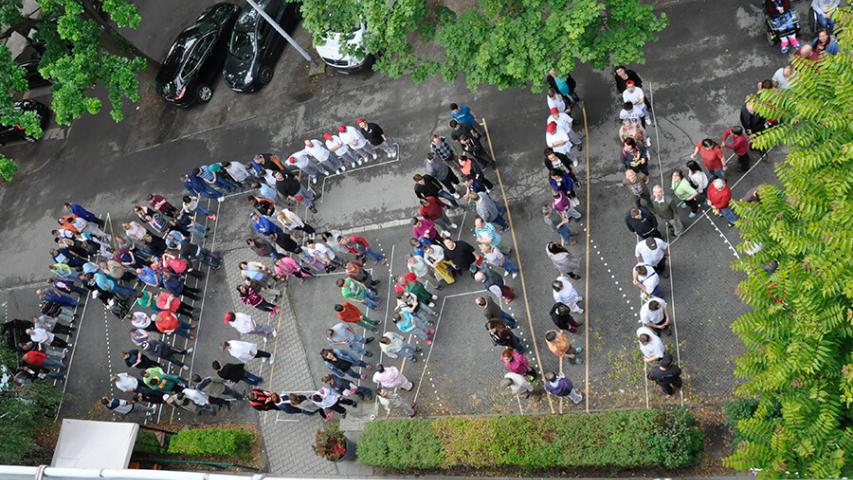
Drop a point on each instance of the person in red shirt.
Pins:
(433, 209)
(171, 303)
(719, 196)
(166, 322)
(359, 247)
(38, 360)
(739, 145)
(712, 156)
(349, 313)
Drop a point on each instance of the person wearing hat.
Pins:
(355, 140)
(341, 150)
(247, 325)
(376, 137)
(666, 374)
(558, 141)
(323, 155)
(302, 161)
(564, 122)
(634, 94)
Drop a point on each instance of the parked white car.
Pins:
(331, 51)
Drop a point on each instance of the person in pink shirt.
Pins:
(423, 228)
(517, 363)
(286, 267)
(390, 377)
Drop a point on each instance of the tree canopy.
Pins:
(507, 43)
(799, 361)
(81, 51)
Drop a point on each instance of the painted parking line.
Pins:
(518, 258)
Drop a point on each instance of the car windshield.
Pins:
(241, 44)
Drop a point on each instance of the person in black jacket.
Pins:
(374, 134)
(666, 374)
(561, 315)
(751, 121)
(642, 222)
(622, 74)
(428, 186)
(236, 372)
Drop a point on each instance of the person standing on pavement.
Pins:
(494, 283)
(245, 324)
(563, 260)
(246, 351)
(236, 373)
(374, 134)
(356, 291)
(635, 156)
(441, 171)
(685, 192)
(739, 144)
(653, 251)
(303, 162)
(44, 338)
(637, 189)
(555, 100)
(341, 363)
(647, 280)
(359, 247)
(558, 223)
(719, 196)
(559, 141)
(343, 335)
(330, 401)
(346, 387)
(318, 151)
(560, 386)
(161, 349)
(464, 115)
(355, 140)
(135, 359)
(475, 150)
(393, 345)
(561, 315)
(428, 186)
(622, 75)
(560, 346)
(712, 157)
(390, 399)
(341, 150)
(642, 222)
(517, 384)
(390, 377)
(432, 209)
(81, 212)
(666, 374)
(349, 313)
(518, 363)
(291, 188)
(502, 335)
(564, 292)
(250, 296)
(653, 315)
(667, 211)
(488, 210)
(442, 150)
(651, 345)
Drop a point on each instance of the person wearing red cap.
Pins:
(564, 122)
(341, 150)
(303, 162)
(355, 140)
(319, 152)
(558, 140)
(245, 324)
(635, 95)
(376, 137)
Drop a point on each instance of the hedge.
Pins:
(626, 439)
(231, 442)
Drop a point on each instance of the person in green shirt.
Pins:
(356, 291)
(156, 379)
(685, 192)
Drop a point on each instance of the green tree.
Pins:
(23, 410)
(799, 363)
(81, 51)
(507, 43)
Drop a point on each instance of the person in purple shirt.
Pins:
(84, 214)
(558, 385)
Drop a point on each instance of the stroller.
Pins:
(781, 26)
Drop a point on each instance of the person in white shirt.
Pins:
(328, 399)
(633, 113)
(564, 123)
(783, 77)
(319, 152)
(653, 315)
(650, 344)
(518, 384)
(653, 251)
(245, 324)
(555, 100)
(339, 148)
(559, 141)
(245, 351)
(356, 141)
(323, 254)
(43, 337)
(564, 292)
(302, 161)
(646, 279)
(390, 377)
(237, 170)
(393, 345)
(125, 382)
(203, 401)
(633, 94)
(391, 399)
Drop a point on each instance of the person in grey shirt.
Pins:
(487, 209)
(441, 172)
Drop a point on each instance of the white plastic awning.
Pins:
(88, 444)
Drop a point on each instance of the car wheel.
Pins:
(204, 93)
(265, 75)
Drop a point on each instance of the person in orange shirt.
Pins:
(166, 322)
(560, 346)
(349, 313)
(472, 170)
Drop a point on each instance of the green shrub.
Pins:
(146, 442)
(734, 412)
(230, 442)
(630, 439)
(7, 168)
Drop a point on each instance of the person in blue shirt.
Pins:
(263, 225)
(108, 284)
(196, 185)
(148, 276)
(84, 214)
(464, 115)
(48, 295)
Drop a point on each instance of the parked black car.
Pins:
(196, 57)
(255, 46)
(30, 60)
(12, 133)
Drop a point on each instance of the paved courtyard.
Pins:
(697, 75)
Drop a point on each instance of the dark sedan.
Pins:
(196, 57)
(13, 133)
(255, 46)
